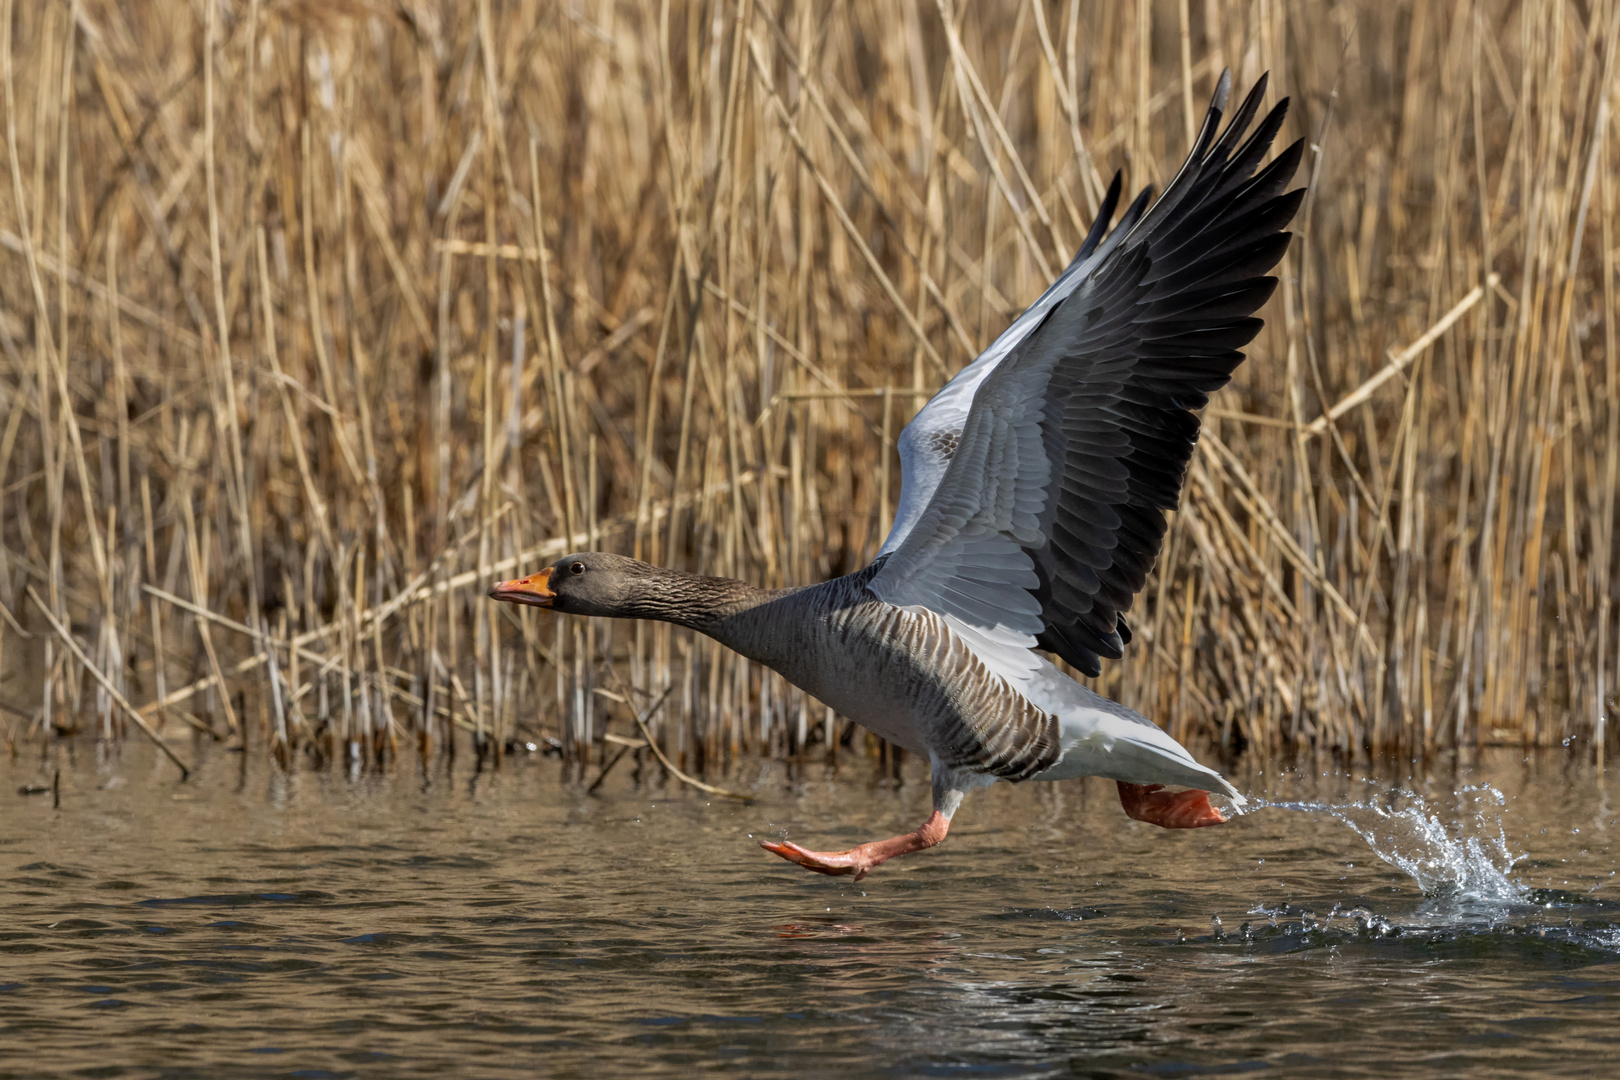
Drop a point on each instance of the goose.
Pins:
(1031, 508)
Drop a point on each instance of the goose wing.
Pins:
(927, 444)
(1035, 483)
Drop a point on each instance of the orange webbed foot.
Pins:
(860, 859)
(834, 863)
(1168, 809)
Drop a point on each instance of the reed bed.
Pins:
(316, 318)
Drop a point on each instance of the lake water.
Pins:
(252, 924)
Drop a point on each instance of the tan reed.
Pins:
(316, 318)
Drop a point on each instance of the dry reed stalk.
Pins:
(723, 252)
(106, 683)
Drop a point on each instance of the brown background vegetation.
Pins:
(315, 318)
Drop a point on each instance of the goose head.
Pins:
(586, 583)
(617, 587)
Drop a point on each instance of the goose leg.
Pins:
(860, 859)
(1170, 809)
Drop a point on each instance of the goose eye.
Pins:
(577, 568)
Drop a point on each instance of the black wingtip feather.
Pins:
(1234, 230)
(1105, 216)
(1155, 327)
(1269, 181)
(1247, 158)
(1133, 214)
(1198, 154)
(1244, 115)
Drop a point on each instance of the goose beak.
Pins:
(530, 590)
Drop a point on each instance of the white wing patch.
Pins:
(973, 484)
(929, 442)
(964, 555)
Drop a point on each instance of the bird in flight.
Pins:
(1031, 508)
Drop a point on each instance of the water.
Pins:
(248, 924)
(1467, 861)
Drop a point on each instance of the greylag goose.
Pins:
(1031, 509)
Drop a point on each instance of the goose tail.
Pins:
(1106, 739)
(1148, 755)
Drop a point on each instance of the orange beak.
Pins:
(529, 590)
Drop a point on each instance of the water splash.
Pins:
(1468, 860)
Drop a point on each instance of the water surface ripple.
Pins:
(251, 924)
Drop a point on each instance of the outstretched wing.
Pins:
(929, 442)
(1034, 520)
